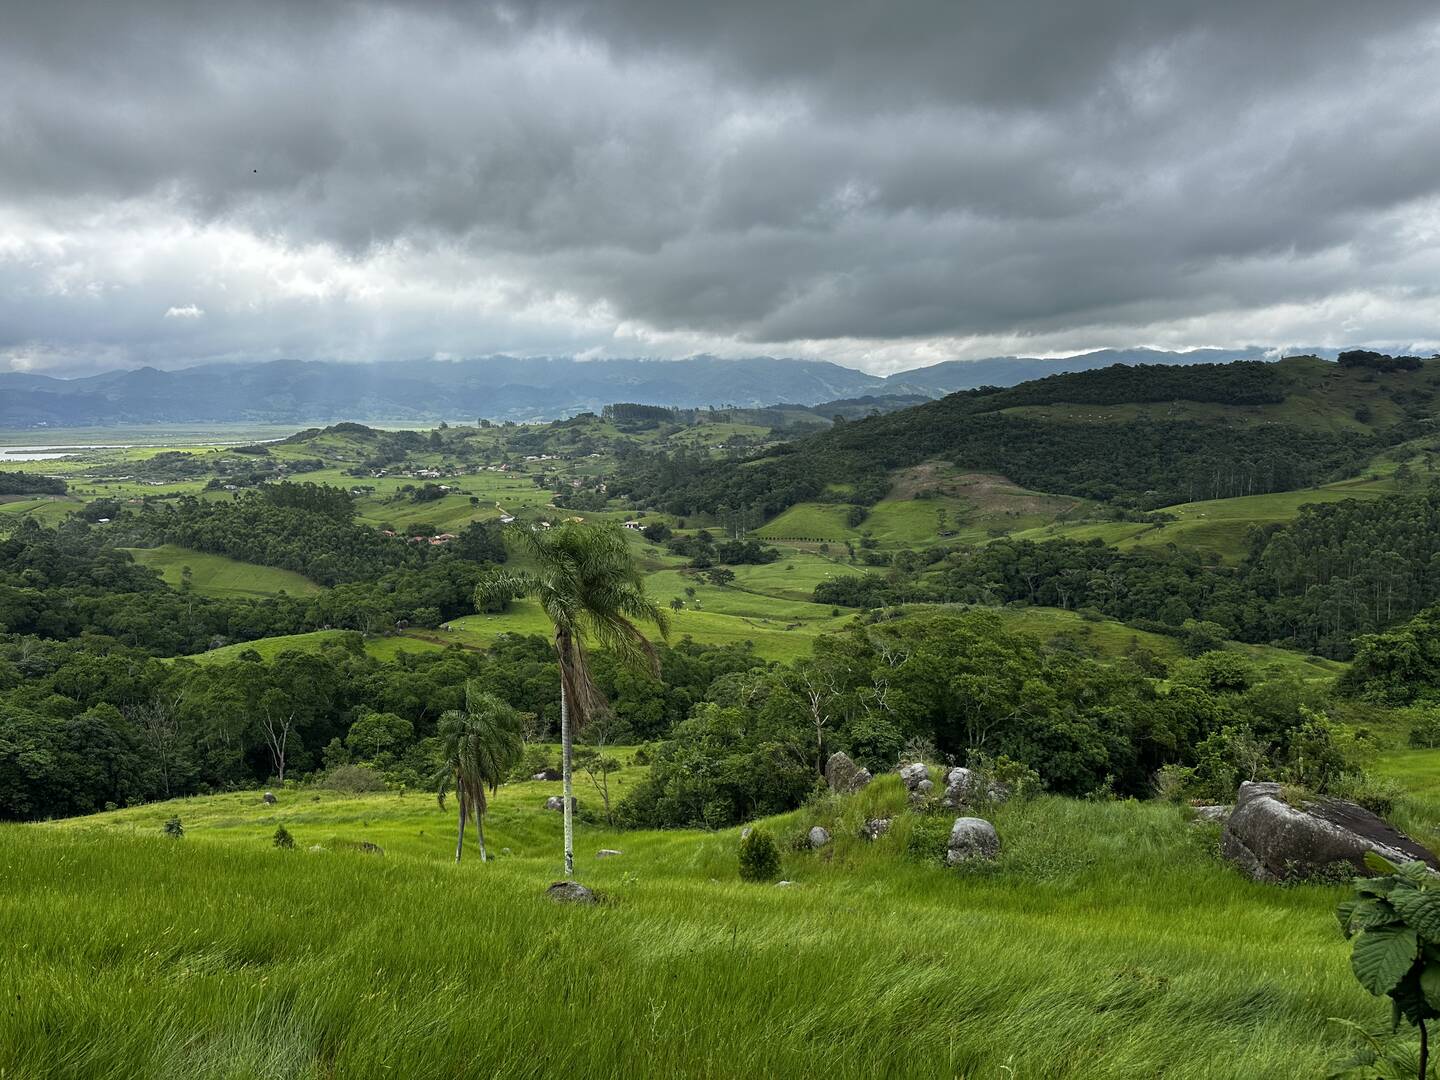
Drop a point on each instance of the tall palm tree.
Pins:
(479, 745)
(589, 587)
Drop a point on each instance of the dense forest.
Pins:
(24, 483)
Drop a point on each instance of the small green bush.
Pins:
(535, 759)
(929, 838)
(283, 839)
(1393, 924)
(173, 828)
(759, 857)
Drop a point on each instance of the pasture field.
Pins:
(382, 648)
(774, 638)
(46, 509)
(1107, 941)
(215, 575)
(1217, 525)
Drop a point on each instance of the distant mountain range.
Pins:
(499, 388)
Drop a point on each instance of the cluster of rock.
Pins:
(970, 837)
(875, 827)
(916, 778)
(547, 774)
(1273, 840)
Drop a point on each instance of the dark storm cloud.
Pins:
(711, 175)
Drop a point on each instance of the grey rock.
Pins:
(971, 838)
(912, 775)
(746, 831)
(844, 776)
(270, 799)
(783, 884)
(1273, 841)
(1218, 813)
(557, 803)
(547, 774)
(875, 828)
(819, 836)
(570, 892)
(317, 847)
(608, 853)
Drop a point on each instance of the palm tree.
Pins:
(589, 587)
(479, 745)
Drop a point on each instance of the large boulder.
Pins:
(844, 776)
(964, 787)
(557, 803)
(270, 799)
(548, 774)
(914, 775)
(819, 837)
(570, 892)
(1273, 841)
(971, 838)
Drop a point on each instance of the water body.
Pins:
(49, 453)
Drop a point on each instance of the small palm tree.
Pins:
(479, 745)
(589, 587)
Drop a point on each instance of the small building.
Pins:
(634, 525)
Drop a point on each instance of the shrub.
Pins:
(1393, 922)
(535, 759)
(1376, 794)
(283, 839)
(1425, 733)
(354, 779)
(173, 828)
(929, 838)
(1173, 783)
(759, 857)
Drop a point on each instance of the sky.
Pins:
(884, 185)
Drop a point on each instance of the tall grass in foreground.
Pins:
(1107, 942)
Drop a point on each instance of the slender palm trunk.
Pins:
(460, 798)
(566, 746)
(480, 833)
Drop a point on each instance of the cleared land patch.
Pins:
(215, 575)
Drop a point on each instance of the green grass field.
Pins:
(1106, 942)
(215, 575)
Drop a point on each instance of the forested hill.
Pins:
(1139, 436)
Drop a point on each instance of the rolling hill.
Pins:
(497, 387)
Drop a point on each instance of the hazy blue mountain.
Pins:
(499, 388)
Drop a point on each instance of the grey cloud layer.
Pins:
(402, 179)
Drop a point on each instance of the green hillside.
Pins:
(219, 955)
